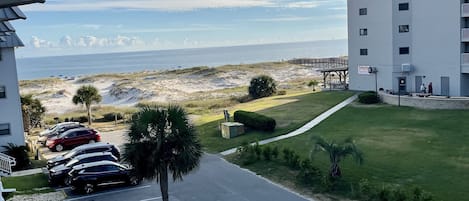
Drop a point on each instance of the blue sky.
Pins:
(64, 27)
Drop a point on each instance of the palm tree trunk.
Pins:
(335, 170)
(164, 183)
(88, 107)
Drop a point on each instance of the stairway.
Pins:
(6, 162)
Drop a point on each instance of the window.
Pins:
(363, 11)
(3, 93)
(5, 129)
(363, 32)
(363, 52)
(403, 6)
(404, 50)
(403, 28)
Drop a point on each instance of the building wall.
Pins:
(10, 107)
(434, 41)
(378, 42)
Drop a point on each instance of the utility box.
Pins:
(231, 129)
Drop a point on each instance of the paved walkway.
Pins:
(28, 172)
(304, 128)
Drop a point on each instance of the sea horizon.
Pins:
(134, 61)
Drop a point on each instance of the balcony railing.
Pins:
(465, 35)
(465, 10)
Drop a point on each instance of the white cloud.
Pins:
(281, 19)
(171, 5)
(88, 42)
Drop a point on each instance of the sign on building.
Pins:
(363, 70)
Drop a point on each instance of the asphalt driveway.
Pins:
(215, 180)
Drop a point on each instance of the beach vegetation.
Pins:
(33, 112)
(162, 142)
(262, 86)
(87, 95)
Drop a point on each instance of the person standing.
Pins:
(422, 88)
(430, 88)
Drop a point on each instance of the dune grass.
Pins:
(404, 146)
(290, 112)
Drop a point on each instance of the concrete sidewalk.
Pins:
(304, 128)
(28, 172)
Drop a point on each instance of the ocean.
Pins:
(79, 65)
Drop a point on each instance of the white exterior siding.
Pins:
(434, 40)
(10, 107)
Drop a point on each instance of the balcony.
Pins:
(465, 35)
(465, 63)
(465, 10)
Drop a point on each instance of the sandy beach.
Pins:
(128, 89)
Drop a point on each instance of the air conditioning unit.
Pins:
(406, 68)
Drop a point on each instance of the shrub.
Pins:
(365, 190)
(81, 119)
(20, 153)
(262, 86)
(308, 174)
(257, 150)
(281, 93)
(111, 116)
(255, 121)
(267, 152)
(369, 97)
(242, 99)
(287, 155)
(247, 154)
(275, 152)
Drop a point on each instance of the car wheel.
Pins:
(59, 147)
(88, 188)
(67, 181)
(91, 141)
(133, 181)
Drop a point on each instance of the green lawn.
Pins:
(290, 112)
(406, 146)
(28, 184)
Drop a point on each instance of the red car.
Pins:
(73, 138)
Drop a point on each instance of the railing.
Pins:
(465, 35)
(465, 10)
(464, 58)
(6, 162)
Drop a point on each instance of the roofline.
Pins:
(11, 3)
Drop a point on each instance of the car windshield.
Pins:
(70, 154)
(71, 163)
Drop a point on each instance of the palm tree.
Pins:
(87, 95)
(33, 111)
(313, 83)
(337, 152)
(162, 141)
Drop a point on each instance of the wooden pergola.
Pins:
(341, 72)
(329, 67)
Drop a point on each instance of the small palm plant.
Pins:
(87, 95)
(313, 83)
(337, 152)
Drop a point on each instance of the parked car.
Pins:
(87, 177)
(72, 138)
(56, 127)
(57, 131)
(59, 174)
(83, 149)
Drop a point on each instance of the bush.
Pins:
(281, 93)
(255, 121)
(275, 152)
(369, 97)
(111, 116)
(262, 86)
(267, 153)
(308, 174)
(81, 119)
(242, 99)
(20, 153)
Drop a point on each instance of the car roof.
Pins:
(92, 145)
(79, 157)
(67, 123)
(77, 129)
(94, 164)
